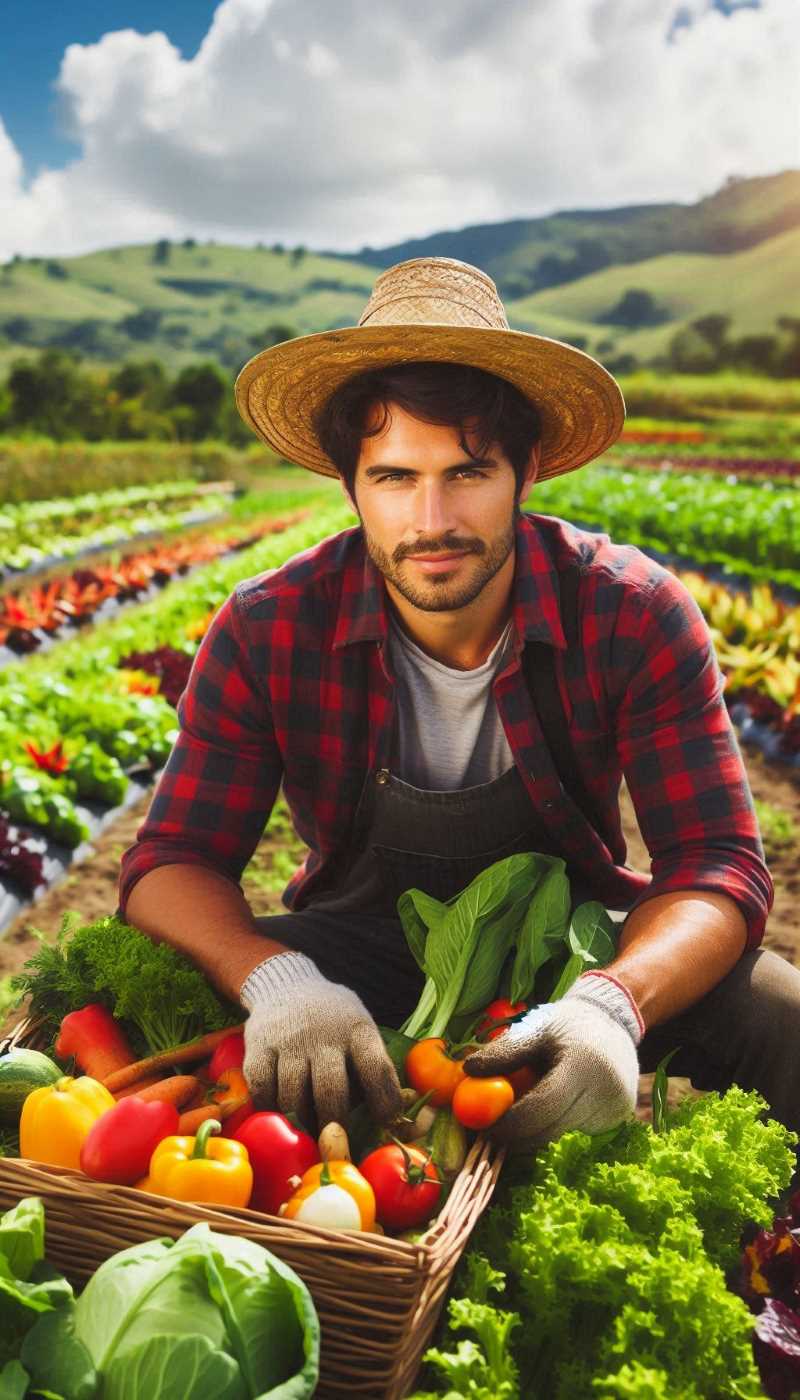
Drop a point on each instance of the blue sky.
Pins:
(36, 33)
(340, 123)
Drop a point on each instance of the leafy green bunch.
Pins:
(611, 1250)
(160, 996)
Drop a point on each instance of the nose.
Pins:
(432, 517)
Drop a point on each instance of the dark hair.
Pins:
(436, 392)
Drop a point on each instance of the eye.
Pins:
(469, 472)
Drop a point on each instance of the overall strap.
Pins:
(540, 674)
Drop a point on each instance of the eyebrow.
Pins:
(409, 471)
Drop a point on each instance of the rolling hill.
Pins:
(569, 276)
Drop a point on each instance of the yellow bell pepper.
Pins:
(217, 1172)
(56, 1118)
(333, 1194)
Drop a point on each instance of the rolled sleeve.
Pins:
(219, 785)
(681, 760)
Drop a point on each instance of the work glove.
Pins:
(584, 1048)
(303, 1035)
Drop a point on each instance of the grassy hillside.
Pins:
(752, 287)
(734, 253)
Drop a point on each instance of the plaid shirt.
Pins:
(292, 684)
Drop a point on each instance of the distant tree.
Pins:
(199, 390)
(273, 335)
(57, 270)
(162, 251)
(19, 329)
(789, 354)
(713, 328)
(142, 325)
(636, 308)
(757, 353)
(190, 243)
(278, 248)
(52, 396)
(690, 353)
(298, 254)
(141, 379)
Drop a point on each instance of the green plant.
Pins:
(779, 831)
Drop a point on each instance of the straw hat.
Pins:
(432, 309)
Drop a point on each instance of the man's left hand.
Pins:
(584, 1048)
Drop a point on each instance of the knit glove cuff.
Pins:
(604, 991)
(277, 974)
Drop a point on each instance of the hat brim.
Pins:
(580, 403)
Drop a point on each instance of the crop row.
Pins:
(76, 721)
(752, 529)
(35, 616)
(42, 532)
(734, 469)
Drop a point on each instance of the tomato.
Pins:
(522, 1080)
(478, 1102)
(497, 1011)
(406, 1183)
(429, 1066)
(229, 1054)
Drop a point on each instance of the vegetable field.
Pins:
(612, 1266)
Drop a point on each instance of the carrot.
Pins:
(140, 1084)
(176, 1088)
(180, 1055)
(189, 1122)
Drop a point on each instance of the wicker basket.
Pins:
(378, 1298)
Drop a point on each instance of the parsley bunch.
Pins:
(159, 995)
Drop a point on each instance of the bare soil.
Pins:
(91, 887)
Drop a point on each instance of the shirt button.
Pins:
(382, 776)
(548, 805)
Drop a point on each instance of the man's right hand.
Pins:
(301, 1035)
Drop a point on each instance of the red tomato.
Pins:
(429, 1066)
(478, 1102)
(229, 1054)
(497, 1011)
(406, 1183)
(522, 1080)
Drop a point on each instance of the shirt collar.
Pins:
(363, 617)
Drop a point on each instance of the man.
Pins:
(449, 683)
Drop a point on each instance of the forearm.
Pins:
(204, 916)
(675, 947)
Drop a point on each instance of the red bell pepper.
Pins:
(229, 1054)
(278, 1151)
(121, 1142)
(95, 1041)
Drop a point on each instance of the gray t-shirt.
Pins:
(448, 733)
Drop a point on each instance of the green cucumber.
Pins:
(22, 1071)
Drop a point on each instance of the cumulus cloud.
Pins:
(338, 125)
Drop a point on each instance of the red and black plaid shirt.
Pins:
(292, 685)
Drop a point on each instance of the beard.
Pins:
(443, 592)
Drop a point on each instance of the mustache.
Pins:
(439, 547)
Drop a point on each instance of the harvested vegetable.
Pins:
(407, 1184)
(478, 1103)
(432, 1070)
(229, 1054)
(177, 1089)
(22, 1071)
(448, 1143)
(94, 1040)
(177, 1055)
(110, 962)
(334, 1194)
(214, 1170)
(206, 1315)
(120, 1143)
(56, 1119)
(278, 1151)
(333, 1144)
(231, 1084)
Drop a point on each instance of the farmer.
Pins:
(446, 684)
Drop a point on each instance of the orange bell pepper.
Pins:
(202, 1168)
(333, 1194)
(56, 1119)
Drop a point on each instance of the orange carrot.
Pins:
(189, 1122)
(180, 1055)
(176, 1088)
(140, 1084)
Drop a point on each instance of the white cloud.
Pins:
(342, 124)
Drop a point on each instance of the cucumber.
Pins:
(22, 1071)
